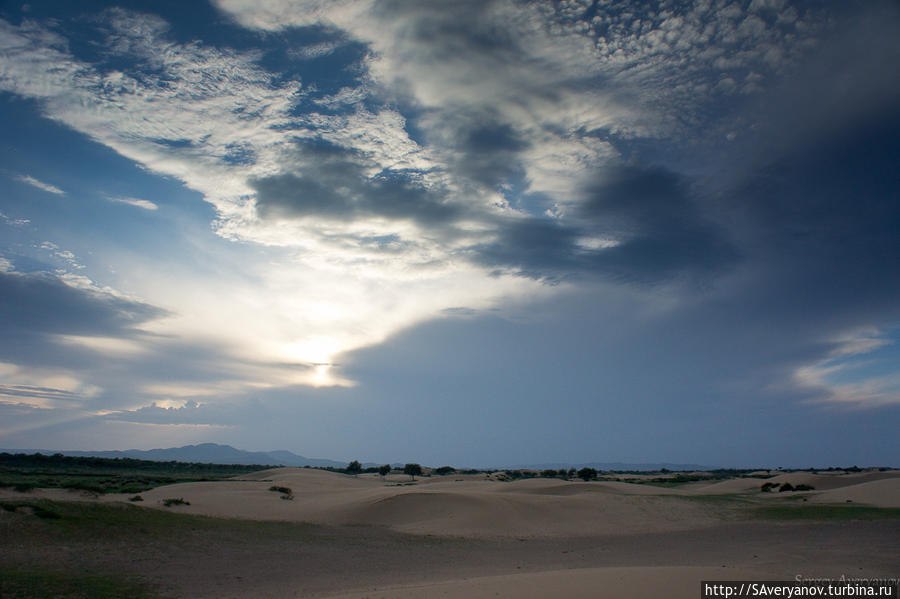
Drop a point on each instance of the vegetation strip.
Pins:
(24, 472)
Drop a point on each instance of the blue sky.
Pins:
(471, 233)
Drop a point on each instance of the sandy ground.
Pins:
(474, 506)
(585, 583)
(468, 536)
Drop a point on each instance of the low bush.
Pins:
(587, 474)
(804, 488)
(785, 487)
(286, 492)
(136, 498)
(175, 501)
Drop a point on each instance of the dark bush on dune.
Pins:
(785, 487)
(286, 492)
(587, 474)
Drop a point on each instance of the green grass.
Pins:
(42, 583)
(825, 512)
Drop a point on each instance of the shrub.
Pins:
(587, 474)
(412, 470)
(444, 470)
(767, 487)
(136, 498)
(175, 501)
(354, 467)
(804, 488)
(785, 487)
(549, 473)
(384, 470)
(286, 492)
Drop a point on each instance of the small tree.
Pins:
(354, 468)
(384, 470)
(587, 474)
(412, 470)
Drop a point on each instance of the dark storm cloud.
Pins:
(660, 224)
(41, 303)
(330, 182)
(488, 151)
(822, 223)
(36, 306)
(651, 214)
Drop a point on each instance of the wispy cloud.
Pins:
(41, 185)
(139, 203)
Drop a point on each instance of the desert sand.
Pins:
(473, 536)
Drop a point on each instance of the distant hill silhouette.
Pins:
(213, 453)
(207, 453)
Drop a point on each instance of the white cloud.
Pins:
(41, 185)
(144, 204)
(824, 377)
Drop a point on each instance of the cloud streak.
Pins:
(41, 185)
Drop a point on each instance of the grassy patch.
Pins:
(42, 583)
(129, 523)
(38, 509)
(825, 512)
(24, 472)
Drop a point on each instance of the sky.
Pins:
(472, 233)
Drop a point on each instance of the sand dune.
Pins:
(439, 506)
(476, 506)
(529, 538)
(884, 492)
(828, 481)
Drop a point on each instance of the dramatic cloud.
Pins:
(505, 208)
(47, 304)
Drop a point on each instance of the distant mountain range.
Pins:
(213, 453)
(208, 453)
